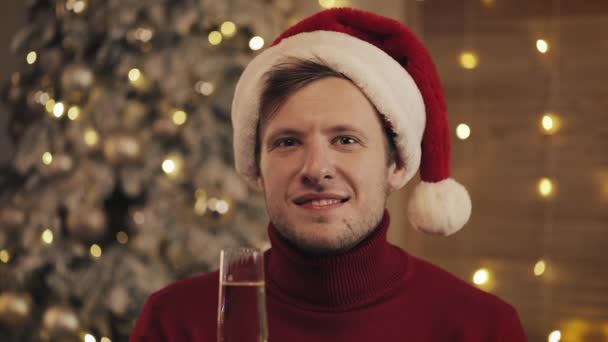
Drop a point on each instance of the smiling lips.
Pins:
(320, 201)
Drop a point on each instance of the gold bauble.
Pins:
(122, 148)
(60, 321)
(15, 308)
(76, 81)
(87, 225)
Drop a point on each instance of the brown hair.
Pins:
(292, 75)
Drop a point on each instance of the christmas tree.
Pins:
(122, 179)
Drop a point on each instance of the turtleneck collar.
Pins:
(337, 282)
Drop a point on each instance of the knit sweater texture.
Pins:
(374, 292)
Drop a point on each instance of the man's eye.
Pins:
(346, 140)
(285, 142)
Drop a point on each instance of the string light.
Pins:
(555, 336)
(488, 3)
(95, 250)
(179, 117)
(542, 46)
(222, 207)
(138, 217)
(58, 109)
(215, 38)
(481, 276)
(256, 43)
(73, 113)
(31, 57)
(539, 268)
(122, 237)
(463, 131)
(91, 138)
(228, 29)
(134, 75)
(550, 123)
(205, 88)
(5, 256)
(545, 187)
(77, 6)
(47, 236)
(89, 338)
(47, 158)
(105, 339)
(327, 3)
(468, 60)
(172, 165)
(50, 105)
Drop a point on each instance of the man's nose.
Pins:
(318, 166)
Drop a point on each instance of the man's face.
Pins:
(323, 167)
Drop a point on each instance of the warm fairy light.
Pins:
(481, 276)
(42, 97)
(555, 336)
(550, 123)
(228, 29)
(468, 60)
(95, 250)
(222, 207)
(49, 106)
(73, 113)
(47, 158)
(143, 34)
(31, 57)
(5, 256)
(542, 46)
(256, 43)
(540, 268)
(168, 166)
(91, 138)
(327, 3)
(212, 203)
(179, 117)
(89, 338)
(122, 237)
(205, 88)
(105, 339)
(463, 131)
(545, 187)
(488, 3)
(215, 37)
(200, 206)
(134, 75)
(58, 109)
(172, 165)
(138, 217)
(47, 236)
(77, 6)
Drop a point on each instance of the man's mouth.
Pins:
(320, 202)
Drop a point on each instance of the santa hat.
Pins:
(394, 70)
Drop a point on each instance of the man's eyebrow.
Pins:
(343, 128)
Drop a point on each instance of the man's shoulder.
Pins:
(447, 288)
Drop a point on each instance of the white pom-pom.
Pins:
(441, 208)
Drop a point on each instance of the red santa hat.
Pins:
(395, 71)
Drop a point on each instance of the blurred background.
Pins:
(116, 172)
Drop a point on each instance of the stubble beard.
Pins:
(351, 231)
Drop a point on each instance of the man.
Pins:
(341, 111)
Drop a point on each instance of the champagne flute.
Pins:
(241, 315)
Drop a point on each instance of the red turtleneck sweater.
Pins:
(374, 292)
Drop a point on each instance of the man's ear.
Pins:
(396, 175)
